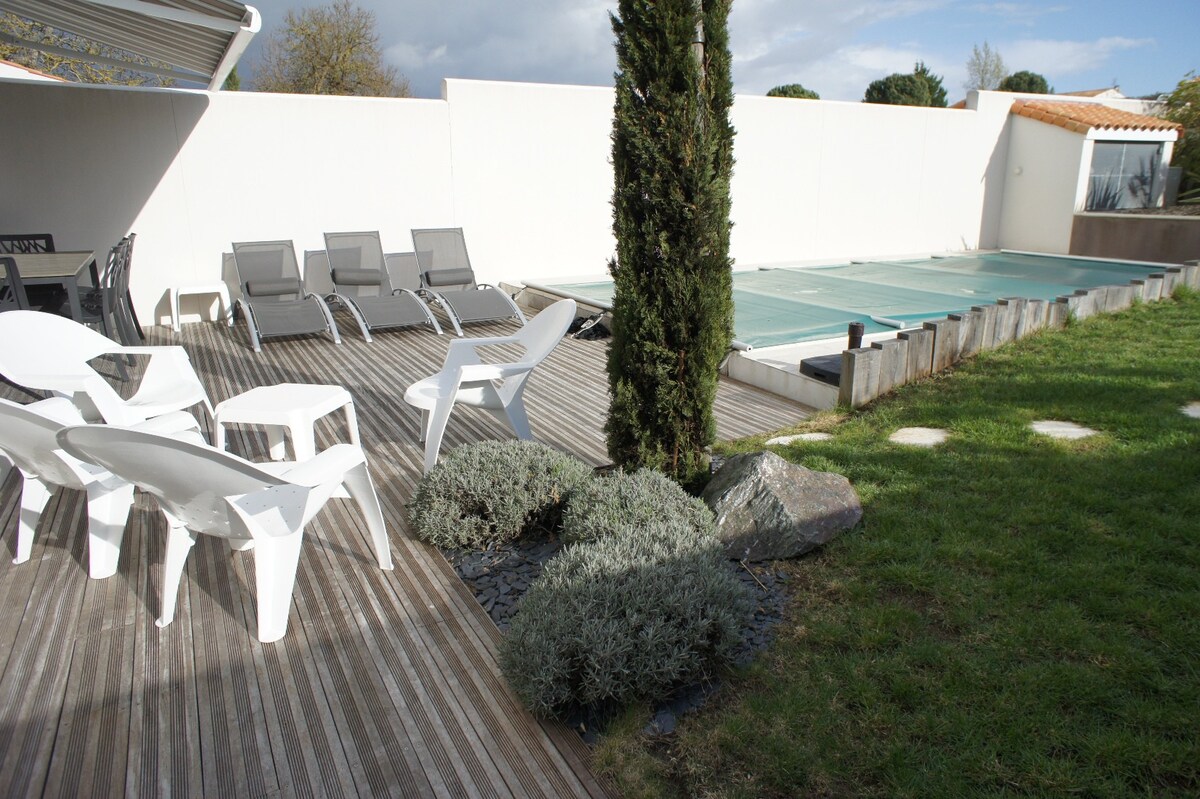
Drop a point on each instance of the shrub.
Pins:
(1027, 82)
(624, 618)
(493, 491)
(630, 500)
(794, 91)
(899, 89)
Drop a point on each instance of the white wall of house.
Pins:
(834, 180)
(532, 178)
(1047, 181)
(190, 172)
(523, 168)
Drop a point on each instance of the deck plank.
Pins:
(387, 682)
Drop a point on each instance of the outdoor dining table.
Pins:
(57, 268)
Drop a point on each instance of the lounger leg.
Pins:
(362, 490)
(438, 418)
(362, 321)
(275, 563)
(251, 327)
(34, 496)
(180, 541)
(333, 329)
(453, 316)
(108, 511)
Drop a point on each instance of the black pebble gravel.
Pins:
(500, 575)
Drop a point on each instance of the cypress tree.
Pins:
(673, 300)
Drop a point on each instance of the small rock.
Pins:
(769, 509)
(663, 723)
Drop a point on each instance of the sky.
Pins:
(834, 47)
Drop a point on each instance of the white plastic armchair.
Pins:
(496, 387)
(28, 437)
(51, 353)
(202, 489)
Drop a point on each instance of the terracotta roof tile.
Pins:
(1082, 117)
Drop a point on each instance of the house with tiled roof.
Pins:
(1066, 157)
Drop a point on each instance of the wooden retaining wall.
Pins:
(870, 372)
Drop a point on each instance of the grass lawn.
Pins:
(1015, 616)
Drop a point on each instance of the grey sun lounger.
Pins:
(447, 277)
(362, 283)
(274, 298)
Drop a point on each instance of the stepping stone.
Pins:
(1192, 409)
(784, 440)
(919, 436)
(1064, 430)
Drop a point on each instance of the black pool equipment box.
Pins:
(826, 368)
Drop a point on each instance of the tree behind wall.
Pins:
(898, 89)
(1183, 106)
(1026, 82)
(795, 91)
(985, 68)
(328, 50)
(937, 92)
(672, 306)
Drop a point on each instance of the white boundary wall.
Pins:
(523, 168)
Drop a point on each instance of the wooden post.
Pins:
(860, 377)
(893, 363)
(945, 343)
(1119, 298)
(920, 353)
(1057, 313)
(970, 332)
(987, 325)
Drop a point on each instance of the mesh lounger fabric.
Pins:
(445, 268)
(477, 305)
(355, 256)
(266, 268)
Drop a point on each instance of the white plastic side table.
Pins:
(296, 406)
(220, 289)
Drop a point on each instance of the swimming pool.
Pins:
(786, 305)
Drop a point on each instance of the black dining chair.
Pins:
(12, 290)
(41, 298)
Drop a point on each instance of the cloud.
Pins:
(1027, 14)
(1062, 57)
(781, 41)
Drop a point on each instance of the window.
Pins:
(1123, 175)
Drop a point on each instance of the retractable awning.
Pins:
(197, 40)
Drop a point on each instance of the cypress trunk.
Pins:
(673, 305)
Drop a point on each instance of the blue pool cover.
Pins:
(789, 305)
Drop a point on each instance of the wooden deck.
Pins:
(386, 683)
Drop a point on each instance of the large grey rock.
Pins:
(768, 509)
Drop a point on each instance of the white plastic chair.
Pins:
(202, 489)
(495, 387)
(27, 436)
(51, 353)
